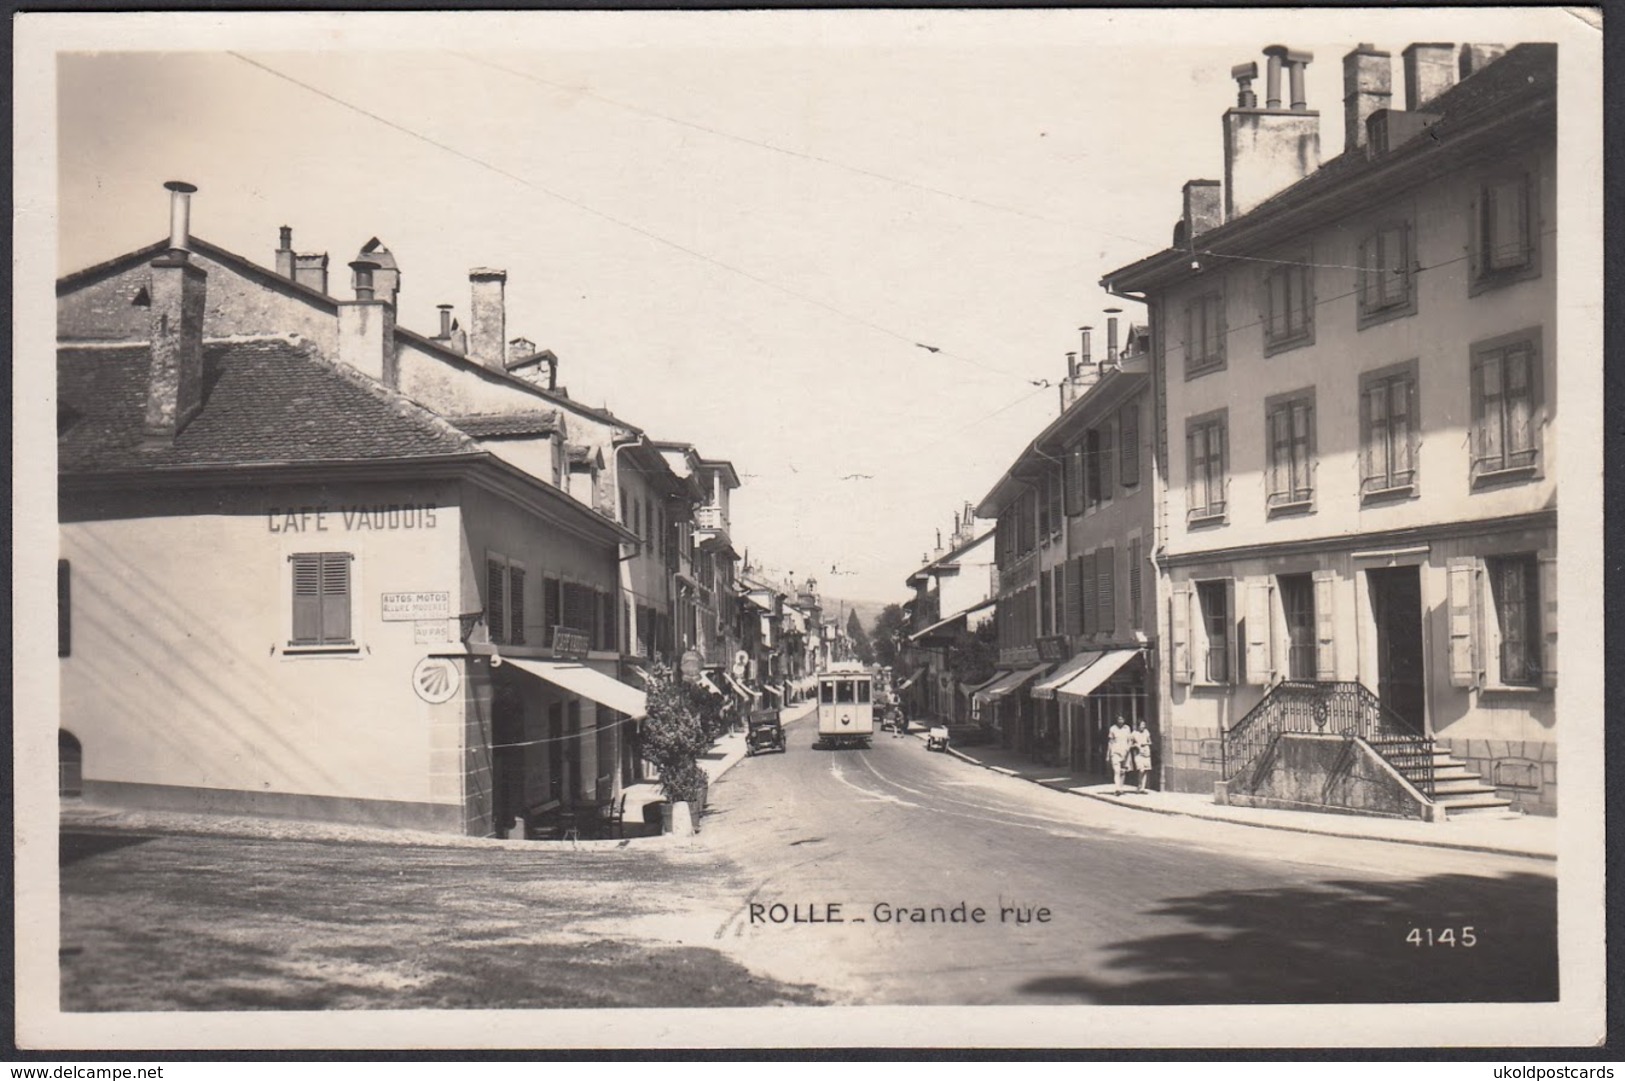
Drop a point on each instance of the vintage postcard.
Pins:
(906, 528)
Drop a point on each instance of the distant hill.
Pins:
(867, 610)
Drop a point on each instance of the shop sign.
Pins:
(409, 607)
(1052, 647)
(431, 632)
(570, 644)
(436, 680)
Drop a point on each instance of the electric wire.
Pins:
(630, 226)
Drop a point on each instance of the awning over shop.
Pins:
(772, 690)
(712, 685)
(943, 624)
(909, 682)
(739, 688)
(1089, 680)
(588, 683)
(1013, 681)
(1046, 687)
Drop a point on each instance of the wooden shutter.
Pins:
(1280, 451)
(1260, 654)
(1135, 597)
(307, 598)
(1548, 618)
(1366, 263)
(1072, 613)
(1129, 436)
(516, 605)
(1059, 603)
(1302, 442)
(1465, 644)
(1108, 475)
(1325, 625)
(550, 609)
(1519, 405)
(496, 590)
(1046, 604)
(1091, 621)
(1179, 631)
(64, 608)
(1306, 298)
(1106, 575)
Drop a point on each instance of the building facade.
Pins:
(1355, 366)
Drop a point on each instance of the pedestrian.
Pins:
(1140, 752)
(1119, 744)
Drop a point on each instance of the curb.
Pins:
(1459, 846)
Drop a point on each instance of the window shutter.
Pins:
(1548, 618)
(1276, 442)
(1195, 466)
(1306, 297)
(1059, 604)
(1106, 571)
(1519, 400)
(1179, 630)
(1129, 427)
(1074, 596)
(496, 621)
(516, 605)
(1401, 434)
(550, 609)
(335, 597)
(1405, 261)
(1108, 475)
(1260, 654)
(1464, 639)
(1193, 347)
(1135, 597)
(1090, 596)
(1221, 328)
(1475, 239)
(307, 598)
(1325, 625)
(1302, 427)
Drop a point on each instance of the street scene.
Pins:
(700, 511)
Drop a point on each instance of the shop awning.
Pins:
(1089, 680)
(1045, 688)
(1014, 680)
(909, 682)
(714, 686)
(943, 624)
(772, 690)
(739, 688)
(587, 683)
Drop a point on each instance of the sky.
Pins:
(843, 250)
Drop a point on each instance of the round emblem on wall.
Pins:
(436, 679)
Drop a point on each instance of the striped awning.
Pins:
(1046, 687)
(1012, 681)
(1085, 683)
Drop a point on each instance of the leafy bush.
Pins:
(683, 721)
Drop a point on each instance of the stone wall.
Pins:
(1523, 771)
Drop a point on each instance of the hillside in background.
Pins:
(867, 610)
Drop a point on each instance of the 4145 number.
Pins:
(1444, 936)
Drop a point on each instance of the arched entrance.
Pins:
(70, 761)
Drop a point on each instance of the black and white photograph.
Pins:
(809, 528)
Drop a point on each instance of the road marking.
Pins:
(881, 797)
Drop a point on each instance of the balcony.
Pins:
(1017, 573)
(711, 529)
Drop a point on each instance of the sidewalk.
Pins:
(1534, 836)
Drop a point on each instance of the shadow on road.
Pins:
(74, 847)
(1338, 941)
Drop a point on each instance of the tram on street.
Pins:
(846, 708)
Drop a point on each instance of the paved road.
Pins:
(1141, 908)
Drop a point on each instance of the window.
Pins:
(1046, 606)
(1214, 601)
(321, 599)
(579, 605)
(1388, 432)
(1204, 334)
(1072, 480)
(843, 692)
(1387, 285)
(1504, 247)
(1128, 438)
(64, 609)
(1052, 483)
(516, 604)
(1515, 591)
(550, 609)
(826, 692)
(1205, 482)
(1298, 604)
(1090, 593)
(1504, 404)
(863, 691)
(1289, 305)
(1289, 442)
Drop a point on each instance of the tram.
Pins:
(846, 708)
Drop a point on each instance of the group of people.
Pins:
(1129, 752)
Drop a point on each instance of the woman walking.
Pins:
(1119, 743)
(1139, 752)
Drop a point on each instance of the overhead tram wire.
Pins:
(647, 234)
(803, 155)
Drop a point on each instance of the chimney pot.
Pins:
(1272, 77)
(1072, 365)
(180, 214)
(310, 269)
(363, 278)
(284, 253)
(1474, 58)
(445, 321)
(1203, 208)
(286, 238)
(1244, 74)
(177, 290)
(1083, 357)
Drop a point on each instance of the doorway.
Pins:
(507, 755)
(1396, 609)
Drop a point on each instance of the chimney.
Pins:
(487, 320)
(1083, 357)
(367, 328)
(1072, 365)
(1367, 87)
(176, 287)
(520, 348)
(310, 269)
(445, 323)
(1268, 150)
(1387, 129)
(284, 253)
(1203, 207)
(1430, 70)
(386, 276)
(1111, 334)
(1474, 58)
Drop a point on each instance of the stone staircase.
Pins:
(1456, 789)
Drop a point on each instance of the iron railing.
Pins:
(1325, 707)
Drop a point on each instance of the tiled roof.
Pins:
(487, 425)
(265, 401)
